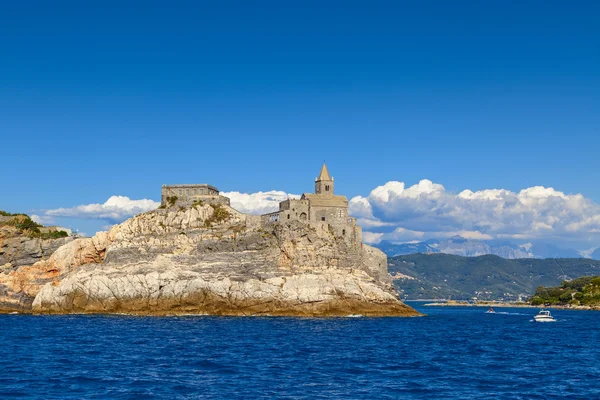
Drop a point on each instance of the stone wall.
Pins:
(294, 210)
(188, 192)
(270, 217)
(186, 202)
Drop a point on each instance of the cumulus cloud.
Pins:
(115, 209)
(118, 208)
(371, 237)
(42, 219)
(401, 213)
(259, 202)
(427, 210)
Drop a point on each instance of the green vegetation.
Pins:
(584, 291)
(494, 278)
(172, 200)
(25, 225)
(197, 203)
(53, 235)
(219, 214)
(7, 214)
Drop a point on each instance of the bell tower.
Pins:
(324, 183)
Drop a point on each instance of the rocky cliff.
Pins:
(19, 249)
(208, 259)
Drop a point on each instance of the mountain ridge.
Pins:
(461, 246)
(487, 277)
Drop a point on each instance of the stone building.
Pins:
(322, 209)
(186, 193)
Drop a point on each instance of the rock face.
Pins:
(17, 252)
(17, 249)
(208, 259)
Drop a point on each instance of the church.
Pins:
(322, 209)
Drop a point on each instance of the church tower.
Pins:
(324, 183)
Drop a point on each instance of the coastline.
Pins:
(454, 303)
(323, 309)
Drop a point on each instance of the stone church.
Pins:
(322, 209)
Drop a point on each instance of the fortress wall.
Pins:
(294, 210)
(191, 192)
(270, 217)
(187, 201)
(214, 199)
(284, 205)
(253, 221)
(358, 237)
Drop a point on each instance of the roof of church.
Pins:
(325, 201)
(324, 175)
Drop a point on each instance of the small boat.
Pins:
(490, 311)
(544, 316)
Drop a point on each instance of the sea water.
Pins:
(453, 353)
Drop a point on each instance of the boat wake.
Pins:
(510, 313)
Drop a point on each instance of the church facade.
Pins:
(322, 209)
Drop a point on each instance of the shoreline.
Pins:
(452, 303)
(329, 309)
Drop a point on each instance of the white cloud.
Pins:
(427, 210)
(118, 208)
(401, 213)
(258, 203)
(474, 235)
(372, 238)
(42, 219)
(115, 209)
(360, 207)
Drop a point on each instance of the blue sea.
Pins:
(453, 353)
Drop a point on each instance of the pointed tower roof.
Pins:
(324, 175)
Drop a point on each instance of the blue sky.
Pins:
(116, 98)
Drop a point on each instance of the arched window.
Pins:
(288, 216)
(344, 232)
(327, 188)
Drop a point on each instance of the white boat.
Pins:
(544, 316)
(490, 311)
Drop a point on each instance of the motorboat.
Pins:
(544, 316)
(490, 311)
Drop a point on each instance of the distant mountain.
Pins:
(430, 276)
(472, 248)
(550, 251)
(596, 254)
(392, 249)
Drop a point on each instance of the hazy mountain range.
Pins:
(431, 276)
(472, 248)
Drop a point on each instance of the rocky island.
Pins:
(197, 255)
